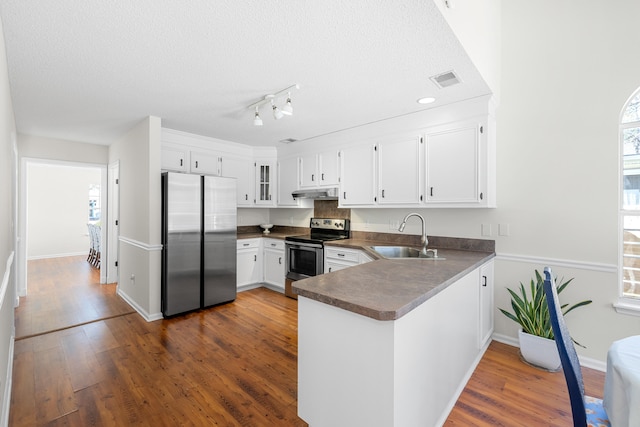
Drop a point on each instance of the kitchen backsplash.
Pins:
(329, 209)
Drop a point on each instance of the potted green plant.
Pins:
(530, 311)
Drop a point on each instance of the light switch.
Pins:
(503, 229)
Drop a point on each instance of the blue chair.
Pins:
(587, 411)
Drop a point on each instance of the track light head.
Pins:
(288, 108)
(257, 121)
(277, 113)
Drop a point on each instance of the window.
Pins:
(630, 203)
(94, 203)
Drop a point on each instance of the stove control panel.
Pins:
(331, 224)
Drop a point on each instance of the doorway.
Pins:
(58, 286)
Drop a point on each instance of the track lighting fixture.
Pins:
(271, 98)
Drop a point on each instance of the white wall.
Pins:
(568, 68)
(58, 209)
(138, 154)
(8, 173)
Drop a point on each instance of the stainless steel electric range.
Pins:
(304, 255)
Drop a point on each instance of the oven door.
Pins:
(303, 260)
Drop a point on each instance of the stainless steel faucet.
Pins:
(423, 239)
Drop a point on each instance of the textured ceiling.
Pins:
(87, 70)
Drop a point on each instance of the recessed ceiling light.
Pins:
(427, 100)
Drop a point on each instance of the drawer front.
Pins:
(273, 244)
(248, 243)
(344, 255)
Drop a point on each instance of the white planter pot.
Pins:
(538, 351)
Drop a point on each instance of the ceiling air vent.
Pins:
(445, 79)
(288, 140)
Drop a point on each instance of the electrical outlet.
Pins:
(290, 220)
(486, 230)
(394, 224)
(504, 229)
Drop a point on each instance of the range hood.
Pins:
(316, 193)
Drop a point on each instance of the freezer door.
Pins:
(220, 234)
(182, 242)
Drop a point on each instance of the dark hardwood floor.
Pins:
(64, 292)
(232, 365)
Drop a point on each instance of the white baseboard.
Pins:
(31, 258)
(587, 362)
(146, 316)
(4, 420)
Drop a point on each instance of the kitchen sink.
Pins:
(405, 252)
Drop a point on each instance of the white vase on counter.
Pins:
(538, 351)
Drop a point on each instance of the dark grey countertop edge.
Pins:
(390, 315)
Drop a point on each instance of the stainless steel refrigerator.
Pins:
(199, 233)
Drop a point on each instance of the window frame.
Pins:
(624, 304)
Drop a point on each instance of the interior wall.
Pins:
(58, 209)
(8, 168)
(138, 154)
(564, 84)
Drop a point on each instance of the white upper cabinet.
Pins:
(357, 176)
(287, 181)
(243, 171)
(453, 165)
(399, 171)
(205, 163)
(328, 168)
(265, 183)
(319, 169)
(175, 159)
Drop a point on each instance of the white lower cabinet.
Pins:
(274, 262)
(405, 372)
(249, 264)
(339, 258)
(485, 324)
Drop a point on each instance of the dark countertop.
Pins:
(387, 289)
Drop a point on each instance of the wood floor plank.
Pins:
(53, 395)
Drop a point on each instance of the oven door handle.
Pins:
(303, 245)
